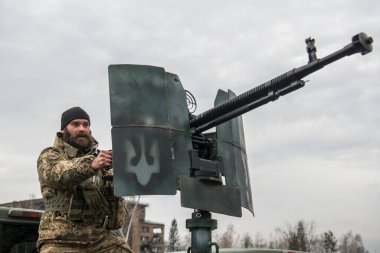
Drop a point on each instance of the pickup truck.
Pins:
(18, 229)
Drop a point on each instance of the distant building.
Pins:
(143, 236)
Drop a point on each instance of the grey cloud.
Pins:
(312, 143)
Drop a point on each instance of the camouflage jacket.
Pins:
(61, 170)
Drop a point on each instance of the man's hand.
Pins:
(103, 160)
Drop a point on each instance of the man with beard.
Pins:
(80, 208)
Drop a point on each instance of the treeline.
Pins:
(302, 236)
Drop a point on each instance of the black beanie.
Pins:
(71, 114)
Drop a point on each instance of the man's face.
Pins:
(78, 133)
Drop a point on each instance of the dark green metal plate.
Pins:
(210, 197)
(231, 144)
(150, 135)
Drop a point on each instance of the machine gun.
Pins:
(159, 147)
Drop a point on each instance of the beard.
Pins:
(80, 141)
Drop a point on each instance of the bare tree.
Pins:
(350, 243)
(259, 241)
(329, 242)
(246, 241)
(184, 243)
(279, 239)
(317, 245)
(298, 237)
(227, 239)
(301, 236)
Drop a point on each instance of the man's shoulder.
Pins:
(51, 154)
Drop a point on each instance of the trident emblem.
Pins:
(143, 158)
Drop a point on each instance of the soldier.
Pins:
(80, 208)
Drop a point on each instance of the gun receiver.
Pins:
(279, 86)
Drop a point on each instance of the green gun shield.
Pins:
(231, 146)
(151, 142)
(150, 130)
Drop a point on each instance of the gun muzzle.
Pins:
(362, 43)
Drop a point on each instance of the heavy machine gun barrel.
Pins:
(279, 86)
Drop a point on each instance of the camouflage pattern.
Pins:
(62, 170)
(110, 244)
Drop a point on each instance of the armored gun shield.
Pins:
(152, 144)
(231, 146)
(150, 130)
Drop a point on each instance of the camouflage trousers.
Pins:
(107, 244)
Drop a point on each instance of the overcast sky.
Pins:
(313, 155)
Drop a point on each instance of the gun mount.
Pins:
(159, 147)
